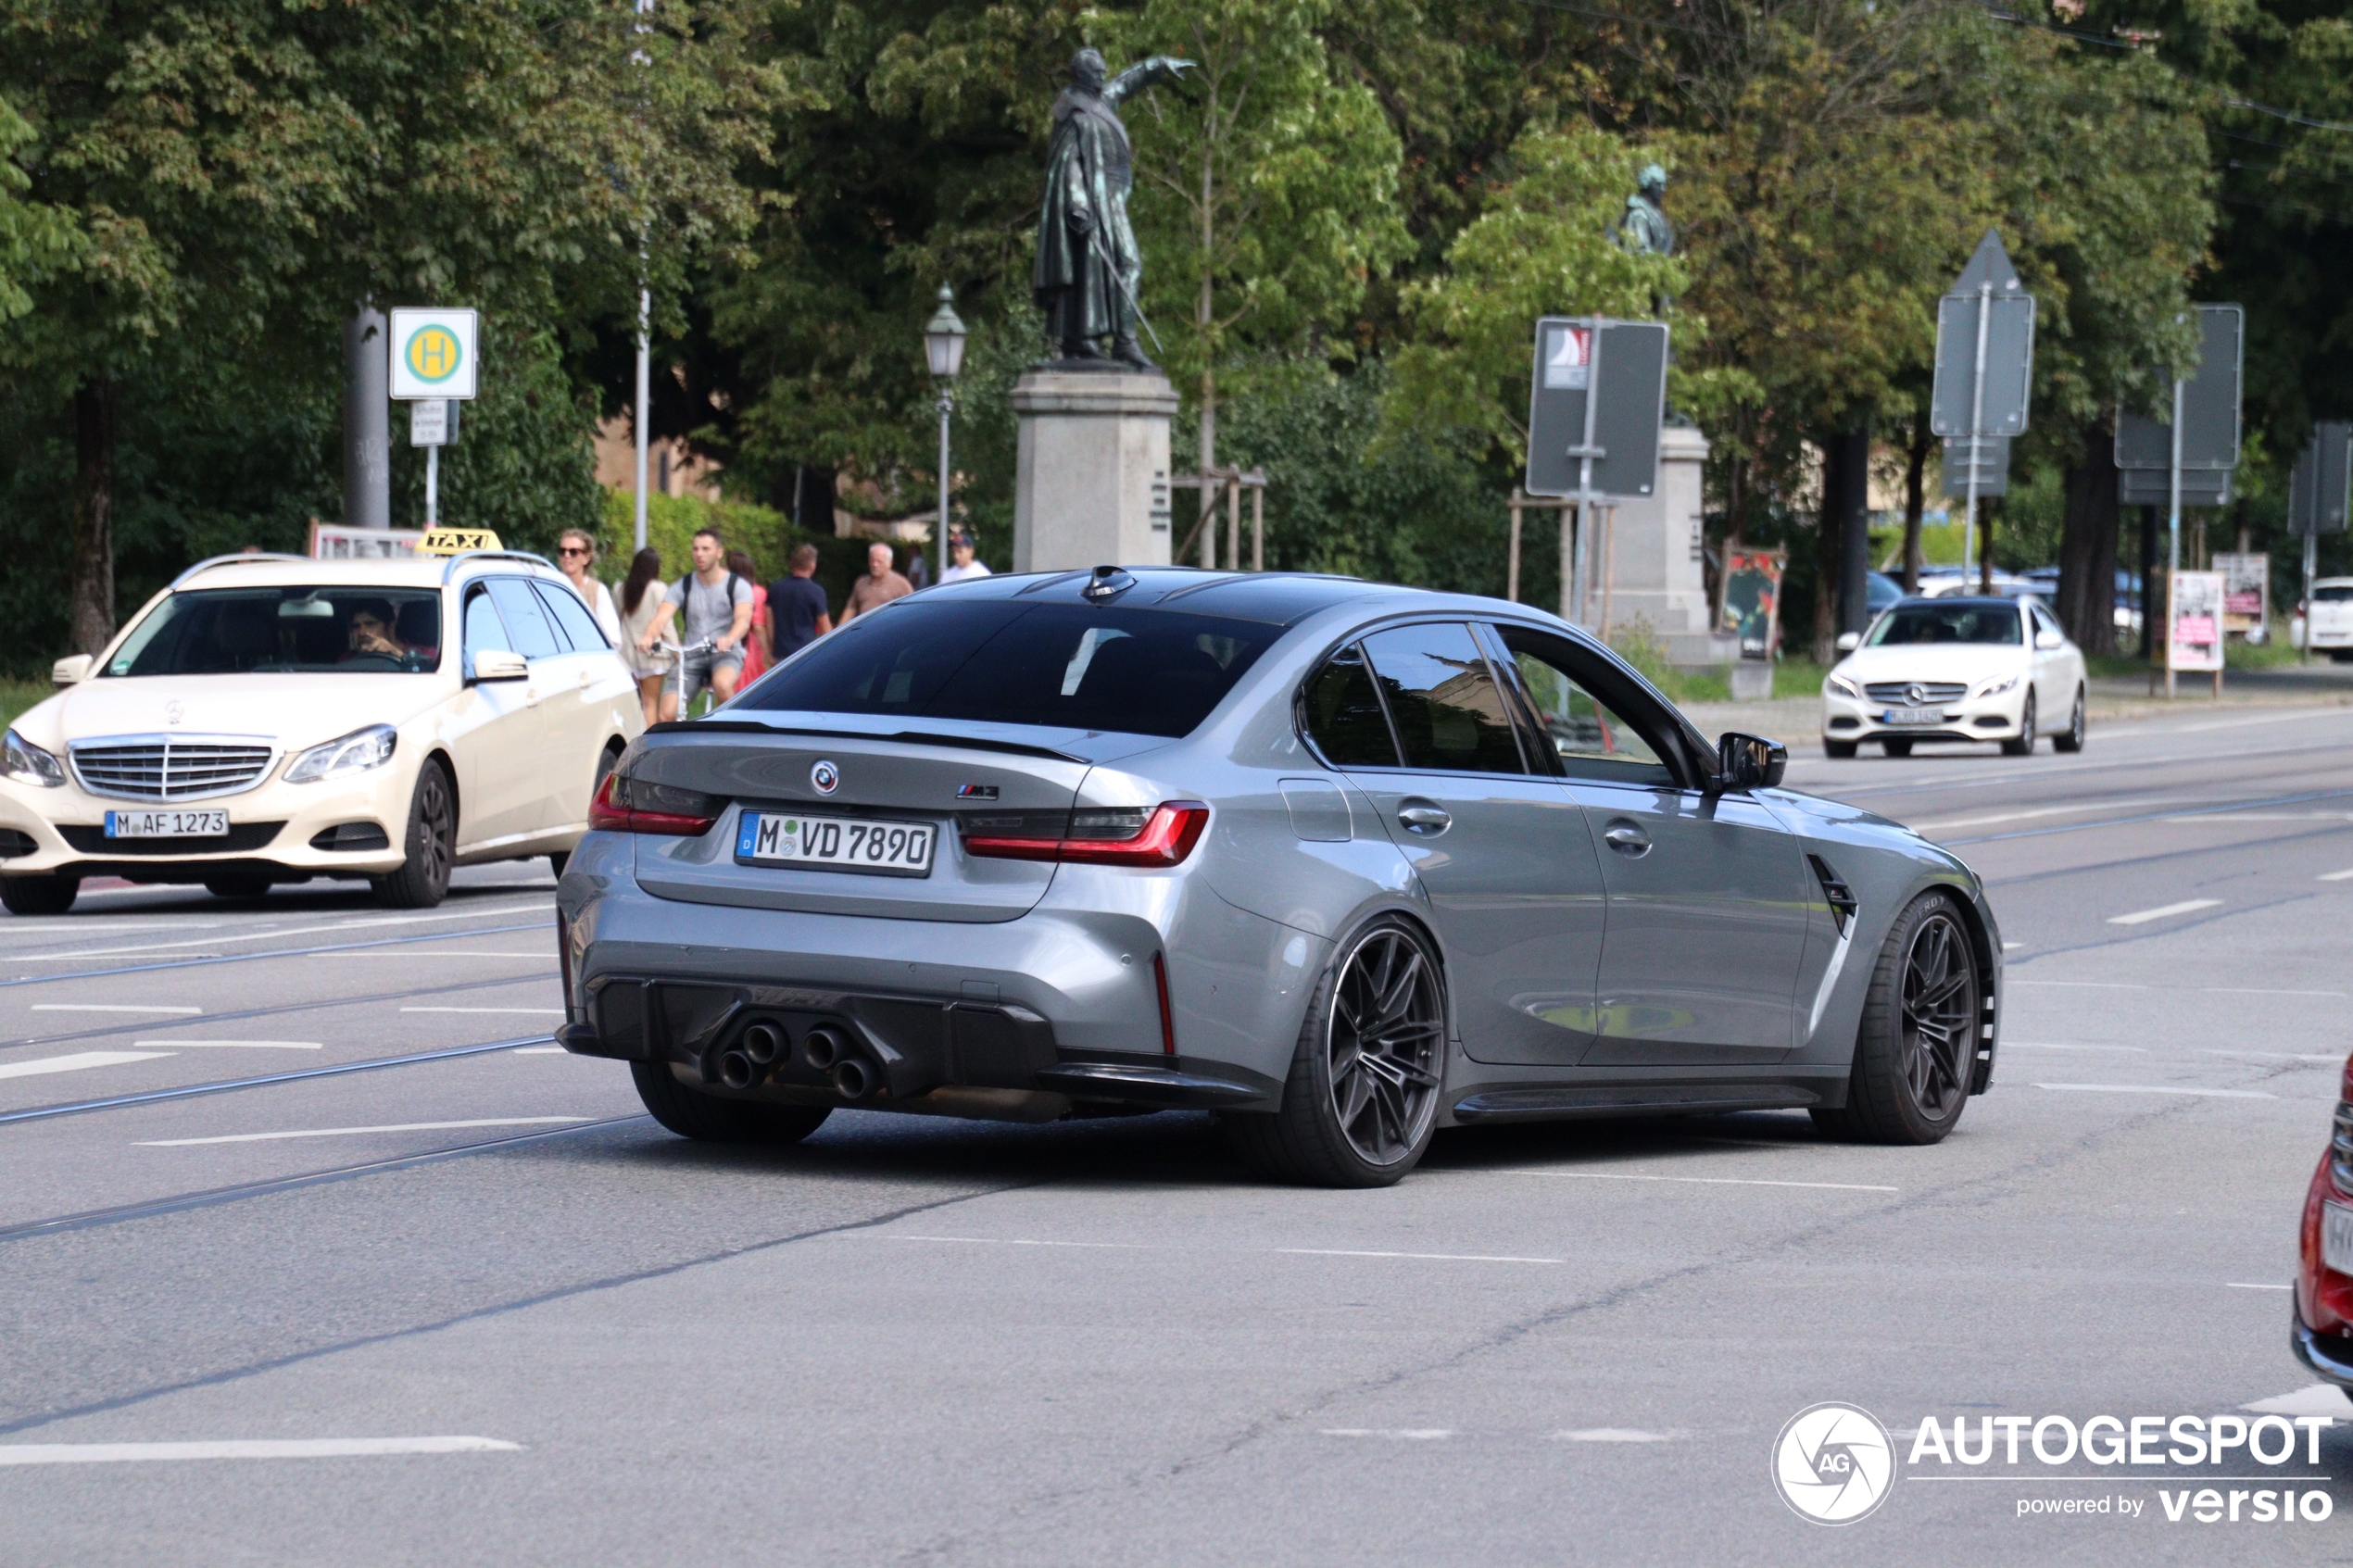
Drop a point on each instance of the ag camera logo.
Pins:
(1834, 1464)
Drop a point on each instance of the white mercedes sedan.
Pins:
(1956, 669)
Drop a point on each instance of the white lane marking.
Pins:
(129, 924)
(547, 953)
(105, 1007)
(237, 1045)
(2263, 991)
(250, 1448)
(2045, 1046)
(2156, 1089)
(305, 930)
(2088, 984)
(1613, 1435)
(75, 1062)
(1417, 1257)
(1943, 824)
(1700, 1181)
(2277, 1055)
(537, 1013)
(542, 1050)
(2228, 818)
(2318, 1398)
(993, 1241)
(2143, 916)
(357, 1132)
(1395, 1433)
(2235, 1284)
(2242, 724)
(2336, 876)
(2012, 946)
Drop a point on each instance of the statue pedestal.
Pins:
(1659, 577)
(1090, 486)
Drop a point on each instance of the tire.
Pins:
(237, 886)
(423, 880)
(1896, 747)
(2071, 738)
(1345, 1123)
(1837, 749)
(708, 1118)
(51, 895)
(1910, 1083)
(2022, 744)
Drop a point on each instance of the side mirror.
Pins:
(2049, 641)
(498, 664)
(1747, 762)
(70, 671)
(1849, 641)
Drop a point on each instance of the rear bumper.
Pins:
(2330, 1355)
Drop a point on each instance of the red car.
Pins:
(2325, 1279)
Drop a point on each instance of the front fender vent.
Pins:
(1841, 897)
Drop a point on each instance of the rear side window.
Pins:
(1449, 711)
(2335, 593)
(578, 626)
(525, 617)
(1343, 714)
(1140, 672)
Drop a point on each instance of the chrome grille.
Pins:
(1931, 692)
(170, 767)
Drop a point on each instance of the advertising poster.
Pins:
(332, 541)
(2196, 639)
(1752, 602)
(2247, 590)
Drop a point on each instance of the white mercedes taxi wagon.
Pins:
(273, 719)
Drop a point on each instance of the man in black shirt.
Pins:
(796, 607)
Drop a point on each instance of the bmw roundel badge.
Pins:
(826, 777)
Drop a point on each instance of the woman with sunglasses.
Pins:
(575, 552)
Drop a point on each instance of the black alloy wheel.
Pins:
(1362, 1095)
(2022, 744)
(423, 880)
(1916, 1049)
(2071, 738)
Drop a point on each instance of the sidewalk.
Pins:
(2113, 698)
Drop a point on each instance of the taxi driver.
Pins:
(371, 630)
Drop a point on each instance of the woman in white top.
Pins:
(575, 553)
(643, 594)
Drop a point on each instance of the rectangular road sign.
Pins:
(1622, 367)
(1989, 456)
(433, 354)
(2009, 364)
(429, 422)
(2147, 487)
(2209, 403)
(2317, 499)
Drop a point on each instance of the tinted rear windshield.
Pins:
(1963, 620)
(2335, 594)
(252, 631)
(1144, 671)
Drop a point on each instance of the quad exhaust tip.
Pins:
(852, 1078)
(825, 1046)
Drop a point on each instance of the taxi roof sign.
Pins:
(433, 354)
(457, 541)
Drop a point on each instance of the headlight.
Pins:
(355, 752)
(1996, 688)
(1839, 685)
(27, 764)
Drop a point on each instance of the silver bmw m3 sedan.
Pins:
(1340, 862)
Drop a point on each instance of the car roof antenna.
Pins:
(1108, 582)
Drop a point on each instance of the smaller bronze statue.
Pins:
(1089, 269)
(1643, 228)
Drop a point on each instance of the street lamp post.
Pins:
(944, 347)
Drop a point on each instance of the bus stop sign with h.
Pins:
(433, 370)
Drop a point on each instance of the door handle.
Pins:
(1421, 817)
(1627, 839)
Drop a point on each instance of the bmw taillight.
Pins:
(1106, 836)
(620, 808)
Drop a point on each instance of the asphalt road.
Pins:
(305, 1175)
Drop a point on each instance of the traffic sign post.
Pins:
(2319, 502)
(1597, 398)
(1984, 378)
(435, 353)
(2202, 438)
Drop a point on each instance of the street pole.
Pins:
(2174, 527)
(1976, 423)
(946, 405)
(367, 422)
(2311, 567)
(432, 487)
(1573, 554)
(645, 400)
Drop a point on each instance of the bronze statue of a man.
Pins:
(1643, 228)
(1087, 268)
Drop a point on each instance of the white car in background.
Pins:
(2325, 620)
(1955, 669)
(273, 719)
